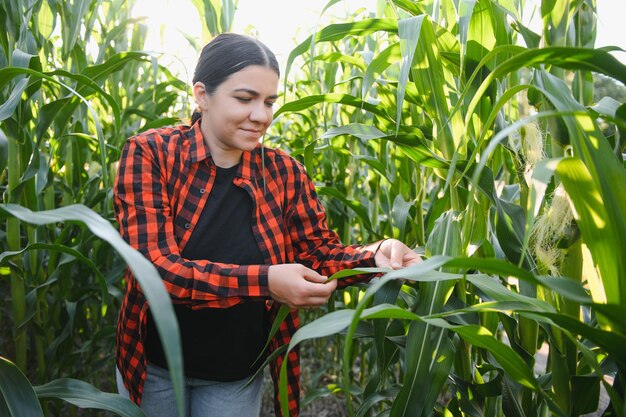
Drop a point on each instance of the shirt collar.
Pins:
(199, 151)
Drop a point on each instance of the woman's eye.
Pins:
(244, 99)
(270, 103)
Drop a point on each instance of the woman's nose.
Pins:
(260, 113)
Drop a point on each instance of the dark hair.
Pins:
(226, 54)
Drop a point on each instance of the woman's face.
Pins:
(237, 114)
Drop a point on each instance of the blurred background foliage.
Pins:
(497, 151)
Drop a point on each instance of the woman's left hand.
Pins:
(395, 255)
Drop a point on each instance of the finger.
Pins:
(382, 261)
(312, 276)
(312, 302)
(413, 262)
(317, 301)
(396, 256)
(411, 258)
(320, 289)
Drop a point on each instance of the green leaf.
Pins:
(600, 168)
(227, 15)
(4, 151)
(424, 342)
(494, 290)
(424, 271)
(466, 9)
(409, 32)
(479, 336)
(361, 131)
(307, 102)
(430, 79)
(585, 394)
(611, 342)
(414, 148)
(410, 6)
(17, 392)
(510, 404)
(357, 207)
(339, 57)
(542, 174)
(510, 361)
(104, 285)
(327, 325)
(344, 273)
(339, 31)
(400, 214)
(375, 399)
(565, 287)
(592, 218)
(45, 20)
(115, 63)
(8, 107)
(143, 270)
(379, 64)
(160, 122)
(75, 19)
(329, 5)
(12, 72)
(282, 314)
(557, 16)
(620, 114)
(84, 395)
(596, 60)
(607, 106)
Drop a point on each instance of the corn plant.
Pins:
(74, 84)
(416, 123)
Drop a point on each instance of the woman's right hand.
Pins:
(298, 286)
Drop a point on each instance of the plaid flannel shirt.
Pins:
(163, 181)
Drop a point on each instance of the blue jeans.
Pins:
(202, 398)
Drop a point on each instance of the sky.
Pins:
(282, 24)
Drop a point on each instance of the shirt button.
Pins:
(202, 190)
(187, 225)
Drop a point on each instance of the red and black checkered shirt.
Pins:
(163, 181)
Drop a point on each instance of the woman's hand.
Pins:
(298, 286)
(395, 255)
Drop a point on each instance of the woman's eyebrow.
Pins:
(253, 93)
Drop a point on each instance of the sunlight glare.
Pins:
(168, 20)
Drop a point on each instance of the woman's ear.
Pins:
(200, 95)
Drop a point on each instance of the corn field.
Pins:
(446, 124)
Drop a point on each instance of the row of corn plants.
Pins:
(75, 82)
(452, 126)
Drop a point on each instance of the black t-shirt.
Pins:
(219, 344)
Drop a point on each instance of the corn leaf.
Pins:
(85, 395)
(17, 393)
(339, 31)
(592, 218)
(145, 273)
(477, 335)
(4, 150)
(306, 102)
(409, 33)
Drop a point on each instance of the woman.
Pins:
(234, 231)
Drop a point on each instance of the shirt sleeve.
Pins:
(317, 246)
(146, 222)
